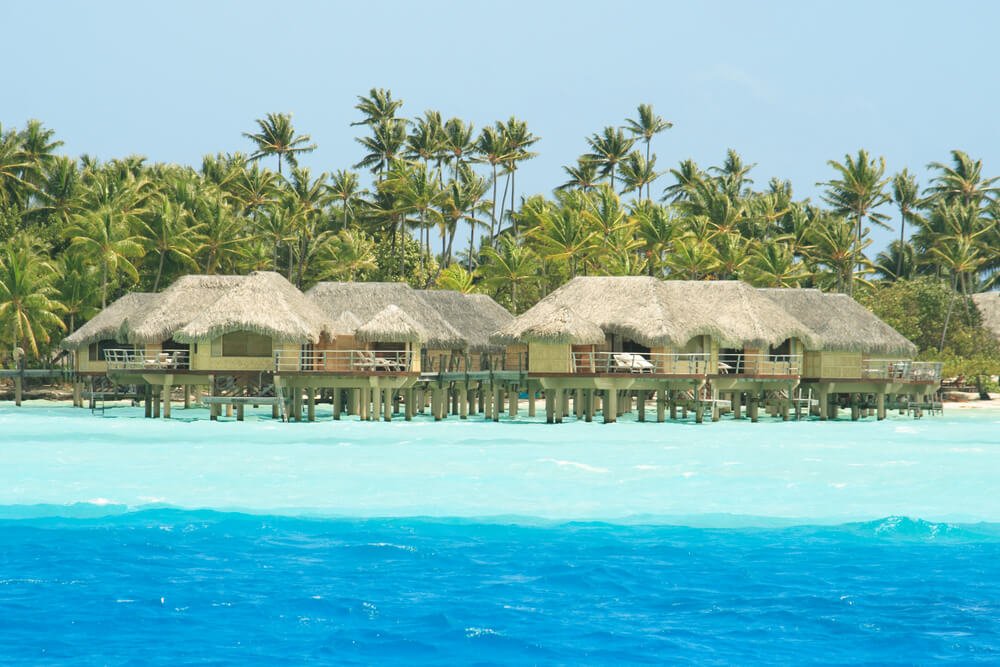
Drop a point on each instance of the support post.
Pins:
(880, 406)
(532, 409)
(387, 404)
(497, 402)
(753, 405)
(338, 396)
(715, 404)
(672, 398)
(737, 402)
(588, 398)
(640, 397)
(311, 404)
(610, 406)
(550, 407)
(560, 401)
(408, 410)
(239, 411)
(513, 398)
(463, 401)
(166, 401)
(147, 400)
(661, 405)
(376, 404)
(156, 401)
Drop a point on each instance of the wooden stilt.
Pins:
(387, 404)
(311, 404)
(610, 406)
(550, 406)
(824, 404)
(672, 398)
(753, 405)
(187, 396)
(880, 406)
(166, 401)
(641, 405)
(156, 402)
(513, 398)
(588, 399)
(497, 402)
(147, 399)
(661, 405)
(337, 397)
(531, 402)
(239, 412)
(715, 404)
(737, 403)
(376, 404)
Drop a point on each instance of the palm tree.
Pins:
(638, 172)
(657, 231)
(897, 262)
(608, 149)
(858, 192)
(774, 265)
(510, 267)
(345, 188)
(417, 193)
(28, 310)
(834, 253)
(906, 195)
(518, 140)
(456, 278)
(686, 177)
(565, 236)
(105, 238)
(463, 202)
(459, 141)
(692, 259)
(377, 108)
(169, 234)
(307, 198)
(222, 236)
(732, 175)
(647, 125)
(426, 141)
(384, 146)
(17, 170)
(962, 181)
(734, 253)
(583, 176)
(346, 256)
(277, 137)
(492, 148)
(75, 286)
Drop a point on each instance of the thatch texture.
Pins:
(365, 300)
(263, 303)
(345, 325)
(176, 306)
(839, 323)
(107, 323)
(563, 326)
(391, 325)
(474, 316)
(658, 313)
(988, 304)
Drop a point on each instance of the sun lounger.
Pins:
(632, 363)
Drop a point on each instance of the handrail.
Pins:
(760, 364)
(477, 362)
(902, 370)
(332, 361)
(140, 360)
(653, 363)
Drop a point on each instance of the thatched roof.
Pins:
(563, 326)
(107, 323)
(988, 304)
(839, 322)
(391, 325)
(365, 300)
(345, 325)
(176, 306)
(474, 316)
(657, 313)
(264, 303)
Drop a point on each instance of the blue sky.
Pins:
(789, 85)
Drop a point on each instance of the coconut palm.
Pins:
(565, 236)
(647, 126)
(384, 146)
(492, 148)
(834, 253)
(508, 270)
(222, 236)
(608, 148)
(638, 172)
(17, 170)
(105, 238)
(961, 181)
(460, 143)
(346, 189)
(169, 234)
(583, 176)
(463, 201)
(377, 108)
(773, 264)
(734, 252)
(906, 195)
(75, 286)
(518, 139)
(277, 137)
(732, 175)
(28, 309)
(657, 230)
(692, 258)
(858, 192)
(456, 278)
(897, 262)
(686, 177)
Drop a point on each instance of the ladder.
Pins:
(279, 395)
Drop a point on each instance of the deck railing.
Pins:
(760, 364)
(333, 361)
(479, 362)
(140, 360)
(901, 370)
(647, 363)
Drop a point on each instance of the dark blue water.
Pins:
(169, 587)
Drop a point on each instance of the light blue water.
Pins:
(123, 539)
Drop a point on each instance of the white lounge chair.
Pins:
(632, 363)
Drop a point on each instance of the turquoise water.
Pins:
(351, 542)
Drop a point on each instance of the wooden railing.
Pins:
(474, 363)
(760, 364)
(647, 363)
(901, 370)
(333, 361)
(139, 360)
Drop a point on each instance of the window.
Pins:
(782, 350)
(96, 350)
(245, 344)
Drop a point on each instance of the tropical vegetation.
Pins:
(436, 202)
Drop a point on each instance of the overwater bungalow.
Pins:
(616, 339)
(103, 332)
(856, 359)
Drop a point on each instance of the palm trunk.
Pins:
(947, 317)
(104, 285)
(513, 220)
(899, 260)
(472, 242)
(159, 272)
(503, 205)
(649, 185)
(493, 215)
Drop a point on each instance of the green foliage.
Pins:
(919, 308)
